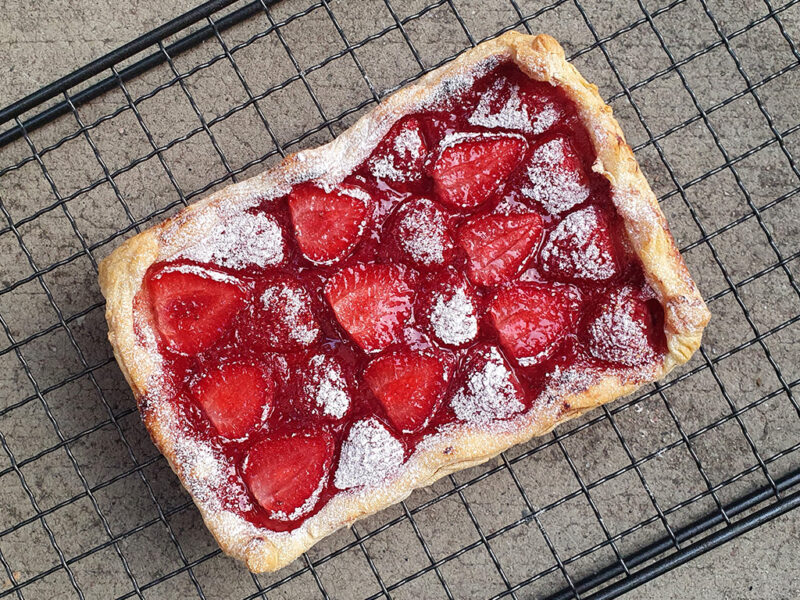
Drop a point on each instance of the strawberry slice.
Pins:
(581, 248)
(372, 302)
(235, 397)
(285, 474)
(327, 225)
(281, 316)
(622, 330)
(193, 306)
(497, 245)
(323, 388)
(471, 168)
(449, 307)
(421, 233)
(531, 319)
(486, 388)
(408, 385)
(504, 105)
(555, 177)
(401, 155)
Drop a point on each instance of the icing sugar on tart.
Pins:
(500, 185)
(323, 338)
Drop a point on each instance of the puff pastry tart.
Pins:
(476, 260)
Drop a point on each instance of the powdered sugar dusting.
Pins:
(147, 338)
(240, 240)
(552, 183)
(208, 472)
(454, 317)
(304, 508)
(409, 148)
(203, 272)
(408, 144)
(514, 113)
(326, 386)
(199, 460)
(234, 527)
(564, 382)
(384, 168)
(291, 304)
(370, 454)
(545, 118)
(423, 230)
(457, 137)
(355, 192)
(573, 247)
(489, 393)
(617, 335)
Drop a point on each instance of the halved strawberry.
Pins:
(369, 456)
(193, 306)
(555, 176)
(323, 388)
(531, 319)
(285, 474)
(471, 168)
(372, 302)
(401, 154)
(408, 385)
(235, 397)
(421, 233)
(327, 225)
(622, 330)
(486, 387)
(505, 105)
(449, 306)
(581, 248)
(497, 245)
(281, 316)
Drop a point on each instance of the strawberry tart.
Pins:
(475, 261)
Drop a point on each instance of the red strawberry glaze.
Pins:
(290, 317)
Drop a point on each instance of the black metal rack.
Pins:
(682, 520)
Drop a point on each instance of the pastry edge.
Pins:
(541, 58)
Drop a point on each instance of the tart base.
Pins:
(457, 446)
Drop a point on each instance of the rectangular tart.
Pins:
(476, 260)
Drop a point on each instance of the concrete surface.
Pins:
(136, 518)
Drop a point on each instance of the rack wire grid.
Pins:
(706, 93)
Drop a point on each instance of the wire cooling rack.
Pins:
(707, 96)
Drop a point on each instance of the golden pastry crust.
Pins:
(458, 446)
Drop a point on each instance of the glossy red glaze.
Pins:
(398, 174)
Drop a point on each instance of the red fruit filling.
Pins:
(280, 316)
(192, 306)
(323, 388)
(487, 389)
(621, 329)
(580, 247)
(497, 245)
(421, 234)
(531, 319)
(327, 225)
(317, 339)
(371, 302)
(450, 307)
(235, 398)
(408, 385)
(400, 157)
(470, 168)
(507, 105)
(285, 474)
(555, 177)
